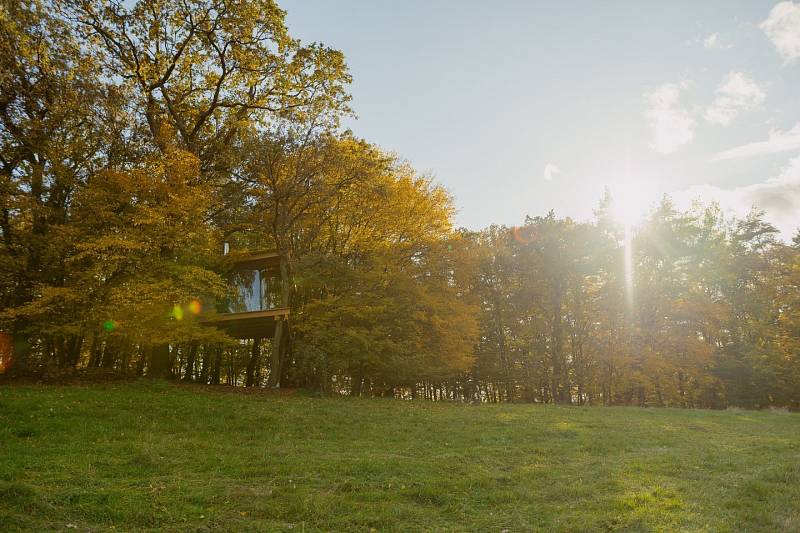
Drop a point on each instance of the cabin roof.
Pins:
(253, 260)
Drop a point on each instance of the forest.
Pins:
(137, 138)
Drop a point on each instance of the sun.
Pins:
(629, 205)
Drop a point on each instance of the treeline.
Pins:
(689, 311)
(136, 138)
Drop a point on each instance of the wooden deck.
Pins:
(249, 325)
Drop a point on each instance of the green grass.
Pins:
(152, 456)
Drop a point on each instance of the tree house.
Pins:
(254, 310)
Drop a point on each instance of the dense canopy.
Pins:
(137, 138)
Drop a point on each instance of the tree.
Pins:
(52, 107)
(211, 70)
(380, 277)
(139, 254)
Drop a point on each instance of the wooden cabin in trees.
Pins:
(254, 310)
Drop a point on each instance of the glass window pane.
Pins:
(269, 290)
(248, 291)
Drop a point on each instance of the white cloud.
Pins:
(714, 41)
(779, 197)
(550, 171)
(672, 125)
(779, 141)
(783, 29)
(736, 93)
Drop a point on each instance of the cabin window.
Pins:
(256, 290)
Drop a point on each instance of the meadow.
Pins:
(153, 456)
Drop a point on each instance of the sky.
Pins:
(519, 107)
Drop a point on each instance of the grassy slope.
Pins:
(155, 456)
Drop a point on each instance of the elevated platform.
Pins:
(250, 324)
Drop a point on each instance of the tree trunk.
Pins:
(215, 371)
(21, 349)
(560, 382)
(205, 364)
(279, 344)
(253, 363)
(356, 381)
(109, 355)
(159, 362)
(190, 363)
(94, 352)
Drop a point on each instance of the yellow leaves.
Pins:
(180, 166)
(110, 247)
(208, 63)
(136, 242)
(385, 317)
(48, 301)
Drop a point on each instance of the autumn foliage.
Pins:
(136, 138)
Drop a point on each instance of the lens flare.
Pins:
(110, 325)
(628, 251)
(195, 307)
(177, 312)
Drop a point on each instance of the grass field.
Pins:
(154, 456)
